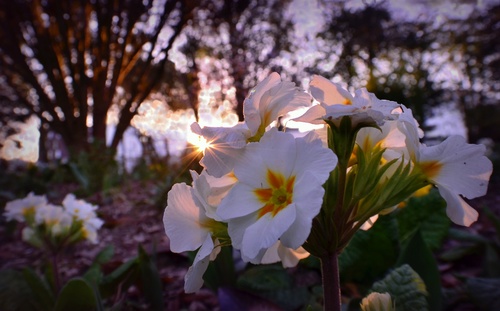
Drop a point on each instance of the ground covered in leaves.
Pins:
(133, 218)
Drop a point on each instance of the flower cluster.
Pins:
(51, 226)
(275, 196)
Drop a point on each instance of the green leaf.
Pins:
(272, 282)
(379, 244)
(484, 292)
(80, 177)
(94, 273)
(289, 299)
(220, 272)
(105, 255)
(491, 260)
(405, 287)
(460, 252)
(15, 293)
(120, 279)
(427, 214)
(265, 278)
(151, 282)
(76, 295)
(420, 258)
(40, 289)
(495, 220)
(466, 236)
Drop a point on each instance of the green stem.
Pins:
(331, 282)
(55, 269)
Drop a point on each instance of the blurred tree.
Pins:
(247, 36)
(386, 56)
(68, 62)
(475, 44)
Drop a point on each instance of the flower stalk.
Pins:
(331, 282)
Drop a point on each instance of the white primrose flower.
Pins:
(85, 212)
(270, 99)
(456, 168)
(188, 228)
(336, 102)
(78, 208)
(55, 219)
(18, 209)
(278, 193)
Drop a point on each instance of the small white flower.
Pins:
(78, 208)
(55, 219)
(18, 209)
(85, 212)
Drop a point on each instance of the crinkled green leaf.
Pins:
(379, 244)
(427, 214)
(405, 287)
(484, 292)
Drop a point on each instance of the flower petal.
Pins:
(251, 105)
(290, 257)
(457, 209)
(225, 146)
(313, 115)
(181, 220)
(327, 92)
(308, 198)
(464, 168)
(312, 156)
(193, 280)
(266, 231)
(240, 201)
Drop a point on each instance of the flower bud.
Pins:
(377, 302)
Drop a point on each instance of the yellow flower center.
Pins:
(278, 196)
(431, 169)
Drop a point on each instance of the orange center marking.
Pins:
(431, 169)
(278, 196)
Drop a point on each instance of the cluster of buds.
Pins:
(277, 196)
(52, 227)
